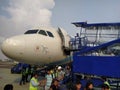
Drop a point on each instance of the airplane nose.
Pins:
(13, 47)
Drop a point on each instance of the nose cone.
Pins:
(13, 47)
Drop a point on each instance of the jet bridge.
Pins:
(104, 63)
(98, 49)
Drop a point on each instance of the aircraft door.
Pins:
(65, 38)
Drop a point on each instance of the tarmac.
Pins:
(7, 78)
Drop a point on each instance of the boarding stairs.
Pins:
(85, 60)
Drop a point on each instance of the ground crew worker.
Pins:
(105, 87)
(60, 75)
(23, 76)
(29, 73)
(34, 82)
(55, 72)
(26, 73)
(106, 82)
(32, 71)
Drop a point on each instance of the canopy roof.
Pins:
(85, 24)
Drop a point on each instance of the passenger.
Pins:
(56, 72)
(89, 86)
(34, 82)
(55, 85)
(52, 71)
(67, 74)
(8, 87)
(48, 80)
(22, 81)
(105, 87)
(78, 86)
(67, 70)
(60, 75)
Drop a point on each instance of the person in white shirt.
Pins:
(49, 79)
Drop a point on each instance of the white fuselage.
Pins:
(35, 48)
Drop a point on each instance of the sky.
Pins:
(17, 16)
(93, 11)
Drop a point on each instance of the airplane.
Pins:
(44, 45)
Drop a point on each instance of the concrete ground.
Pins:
(7, 78)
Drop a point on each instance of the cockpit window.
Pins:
(42, 32)
(50, 34)
(31, 31)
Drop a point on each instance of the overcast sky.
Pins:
(92, 11)
(16, 16)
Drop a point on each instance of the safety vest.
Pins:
(33, 87)
(106, 82)
(26, 70)
(23, 72)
